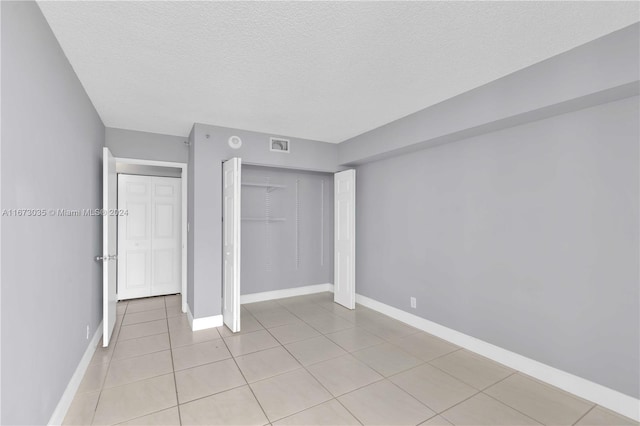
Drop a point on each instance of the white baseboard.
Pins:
(72, 387)
(287, 292)
(601, 395)
(203, 323)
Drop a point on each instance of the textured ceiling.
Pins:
(318, 70)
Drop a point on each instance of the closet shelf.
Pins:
(265, 219)
(270, 186)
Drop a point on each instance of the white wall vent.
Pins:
(279, 145)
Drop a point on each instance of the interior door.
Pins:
(166, 236)
(109, 203)
(134, 236)
(345, 239)
(149, 236)
(231, 170)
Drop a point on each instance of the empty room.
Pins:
(320, 213)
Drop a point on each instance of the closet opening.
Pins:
(151, 240)
(286, 218)
(287, 229)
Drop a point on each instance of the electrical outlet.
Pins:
(413, 302)
(87, 331)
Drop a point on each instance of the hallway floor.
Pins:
(305, 361)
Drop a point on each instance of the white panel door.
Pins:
(231, 243)
(166, 236)
(149, 236)
(109, 203)
(345, 239)
(134, 237)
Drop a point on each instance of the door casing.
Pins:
(109, 247)
(184, 225)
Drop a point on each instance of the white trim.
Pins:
(601, 395)
(198, 324)
(72, 387)
(287, 292)
(185, 234)
(190, 317)
(125, 160)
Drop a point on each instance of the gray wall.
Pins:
(601, 70)
(526, 238)
(52, 139)
(293, 252)
(209, 149)
(146, 146)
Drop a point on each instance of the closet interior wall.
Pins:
(287, 229)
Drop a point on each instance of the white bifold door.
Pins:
(149, 236)
(345, 239)
(231, 243)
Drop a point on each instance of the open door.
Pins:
(108, 258)
(231, 243)
(345, 239)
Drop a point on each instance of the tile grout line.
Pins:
(429, 363)
(305, 369)
(320, 304)
(109, 364)
(245, 379)
(173, 366)
(116, 341)
(466, 383)
(382, 377)
(468, 398)
(385, 340)
(504, 403)
(214, 393)
(416, 399)
(302, 366)
(102, 387)
(318, 381)
(584, 415)
(144, 354)
(517, 372)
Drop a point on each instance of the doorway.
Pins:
(111, 165)
(287, 241)
(149, 237)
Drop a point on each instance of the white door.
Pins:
(149, 236)
(345, 239)
(134, 237)
(166, 236)
(109, 203)
(231, 244)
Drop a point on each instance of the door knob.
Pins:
(100, 258)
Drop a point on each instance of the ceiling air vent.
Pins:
(279, 145)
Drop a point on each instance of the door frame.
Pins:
(329, 172)
(184, 202)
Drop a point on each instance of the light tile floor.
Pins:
(305, 361)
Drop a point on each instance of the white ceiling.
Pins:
(318, 70)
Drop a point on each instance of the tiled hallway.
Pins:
(305, 361)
